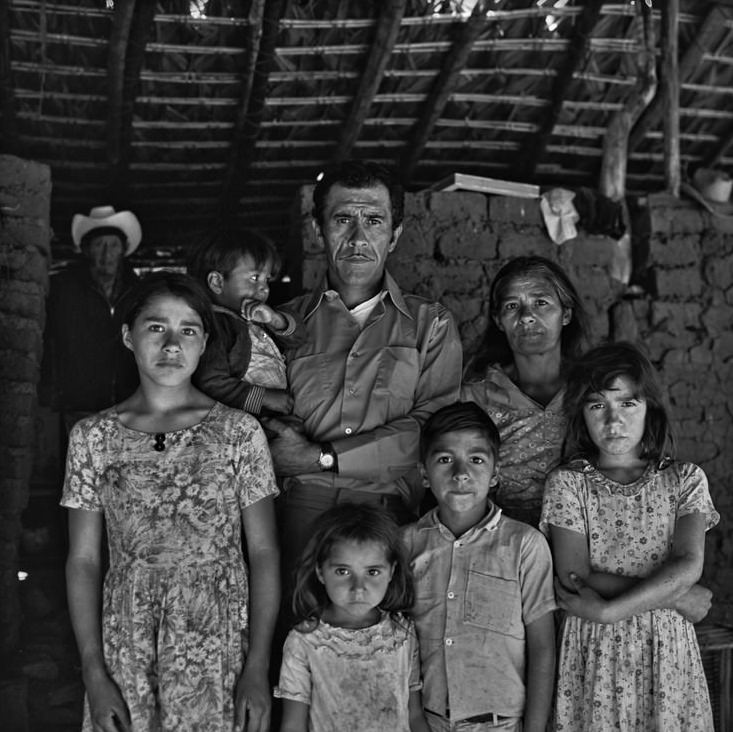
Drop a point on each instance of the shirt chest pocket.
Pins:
(494, 603)
(398, 371)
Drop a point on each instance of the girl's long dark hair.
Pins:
(495, 347)
(165, 282)
(360, 524)
(595, 371)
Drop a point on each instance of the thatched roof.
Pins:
(187, 112)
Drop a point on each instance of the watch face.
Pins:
(326, 460)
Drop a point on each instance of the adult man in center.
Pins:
(376, 364)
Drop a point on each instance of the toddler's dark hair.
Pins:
(455, 417)
(361, 524)
(223, 250)
(595, 371)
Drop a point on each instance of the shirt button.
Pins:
(451, 595)
(457, 543)
(449, 641)
(348, 430)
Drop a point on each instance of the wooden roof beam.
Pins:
(121, 26)
(8, 120)
(131, 29)
(710, 30)
(385, 37)
(671, 95)
(253, 39)
(252, 104)
(577, 51)
(445, 82)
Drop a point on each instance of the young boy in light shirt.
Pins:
(483, 585)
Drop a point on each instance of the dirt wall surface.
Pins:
(681, 310)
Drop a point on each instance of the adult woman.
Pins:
(174, 475)
(536, 324)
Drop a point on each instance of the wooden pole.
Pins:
(441, 90)
(711, 29)
(385, 37)
(671, 89)
(8, 121)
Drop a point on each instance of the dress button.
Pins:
(348, 430)
(451, 595)
(449, 641)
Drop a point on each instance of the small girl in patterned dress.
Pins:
(179, 636)
(352, 663)
(627, 528)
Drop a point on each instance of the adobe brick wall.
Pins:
(454, 243)
(25, 192)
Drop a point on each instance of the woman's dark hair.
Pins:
(165, 282)
(360, 524)
(454, 418)
(495, 347)
(359, 174)
(224, 249)
(594, 372)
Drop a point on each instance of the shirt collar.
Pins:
(389, 288)
(488, 523)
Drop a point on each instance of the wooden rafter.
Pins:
(124, 82)
(671, 87)
(434, 104)
(253, 38)
(385, 37)
(8, 123)
(577, 52)
(243, 143)
(711, 28)
(121, 26)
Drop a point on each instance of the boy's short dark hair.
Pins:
(224, 249)
(455, 417)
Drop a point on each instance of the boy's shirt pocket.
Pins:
(493, 602)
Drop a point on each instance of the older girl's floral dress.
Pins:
(175, 597)
(643, 673)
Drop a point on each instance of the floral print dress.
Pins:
(175, 597)
(643, 673)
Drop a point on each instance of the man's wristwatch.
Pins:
(327, 458)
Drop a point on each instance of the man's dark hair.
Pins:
(359, 174)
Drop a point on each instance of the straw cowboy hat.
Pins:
(106, 217)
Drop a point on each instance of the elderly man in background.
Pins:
(376, 364)
(85, 366)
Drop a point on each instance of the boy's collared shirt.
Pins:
(474, 596)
